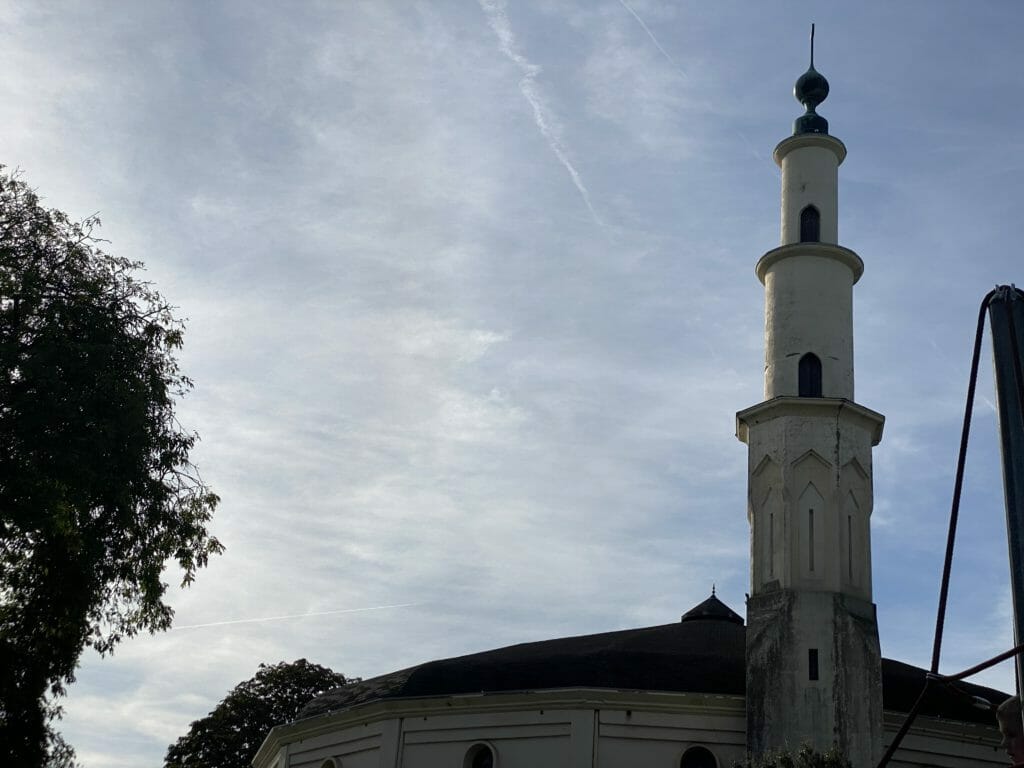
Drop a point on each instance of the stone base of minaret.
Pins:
(814, 674)
(813, 666)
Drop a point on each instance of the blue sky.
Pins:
(472, 307)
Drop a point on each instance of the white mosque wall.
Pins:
(944, 744)
(574, 729)
(544, 729)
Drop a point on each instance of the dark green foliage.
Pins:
(59, 754)
(805, 757)
(231, 734)
(96, 489)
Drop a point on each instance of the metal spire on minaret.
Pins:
(810, 90)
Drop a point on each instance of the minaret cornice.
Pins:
(831, 407)
(801, 140)
(819, 250)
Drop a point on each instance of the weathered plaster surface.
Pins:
(810, 169)
(808, 308)
(784, 706)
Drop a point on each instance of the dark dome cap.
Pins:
(810, 90)
(712, 609)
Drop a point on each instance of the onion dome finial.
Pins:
(810, 90)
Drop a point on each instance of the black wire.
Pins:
(954, 513)
(948, 680)
(906, 724)
(984, 665)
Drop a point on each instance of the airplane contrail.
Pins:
(294, 616)
(653, 38)
(498, 20)
(753, 150)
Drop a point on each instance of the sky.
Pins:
(471, 307)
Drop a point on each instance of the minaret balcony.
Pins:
(819, 250)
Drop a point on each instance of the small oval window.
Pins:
(479, 756)
(698, 757)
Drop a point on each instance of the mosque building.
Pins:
(703, 692)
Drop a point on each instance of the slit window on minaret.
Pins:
(849, 546)
(812, 663)
(809, 376)
(771, 544)
(810, 539)
(810, 225)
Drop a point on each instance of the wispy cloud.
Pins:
(294, 616)
(650, 34)
(542, 116)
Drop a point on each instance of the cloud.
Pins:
(308, 614)
(542, 114)
(424, 376)
(650, 34)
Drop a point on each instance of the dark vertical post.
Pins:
(1006, 315)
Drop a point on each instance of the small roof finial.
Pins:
(812, 45)
(712, 589)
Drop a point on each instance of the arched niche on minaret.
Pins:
(811, 461)
(855, 526)
(812, 524)
(852, 555)
(765, 515)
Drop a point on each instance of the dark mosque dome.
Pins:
(702, 653)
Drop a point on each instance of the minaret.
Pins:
(813, 663)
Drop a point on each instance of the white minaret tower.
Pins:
(813, 663)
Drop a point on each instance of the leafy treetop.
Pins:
(231, 734)
(97, 491)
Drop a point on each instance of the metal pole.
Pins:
(1006, 315)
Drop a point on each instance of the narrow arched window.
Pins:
(810, 376)
(810, 225)
(698, 757)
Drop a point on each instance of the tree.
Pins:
(60, 754)
(231, 734)
(96, 489)
(805, 757)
